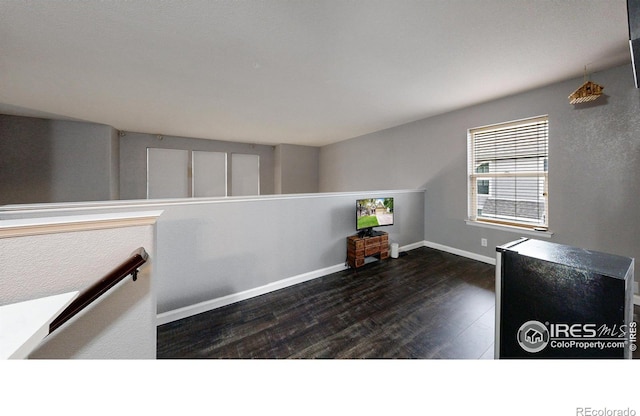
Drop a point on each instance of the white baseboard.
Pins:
(185, 312)
(463, 253)
(208, 305)
(412, 246)
(636, 300)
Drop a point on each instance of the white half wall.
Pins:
(220, 248)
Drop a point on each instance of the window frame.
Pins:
(473, 177)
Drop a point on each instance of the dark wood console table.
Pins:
(360, 247)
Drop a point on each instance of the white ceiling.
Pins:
(282, 71)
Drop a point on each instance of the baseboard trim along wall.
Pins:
(209, 305)
(412, 246)
(181, 313)
(463, 253)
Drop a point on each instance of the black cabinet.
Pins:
(558, 301)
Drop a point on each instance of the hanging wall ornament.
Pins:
(588, 91)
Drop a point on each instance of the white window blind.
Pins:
(167, 173)
(209, 173)
(511, 160)
(245, 174)
(169, 170)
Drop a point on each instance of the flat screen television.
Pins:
(373, 212)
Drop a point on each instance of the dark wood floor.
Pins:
(426, 304)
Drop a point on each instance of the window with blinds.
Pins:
(508, 173)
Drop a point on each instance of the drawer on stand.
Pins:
(371, 250)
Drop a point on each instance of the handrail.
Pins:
(91, 293)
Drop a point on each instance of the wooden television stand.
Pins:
(360, 247)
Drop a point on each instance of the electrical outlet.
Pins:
(483, 241)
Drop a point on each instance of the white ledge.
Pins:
(510, 228)
(65, 224)
(23, 325)
(8, 211)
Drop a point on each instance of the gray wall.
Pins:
(296, 169)
(56, 161)
(594, 165)
(43, 161)
(133, 159)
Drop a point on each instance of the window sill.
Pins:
(510, 228)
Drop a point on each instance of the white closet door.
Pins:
(209, 174)
(167, 173)
(245, 174)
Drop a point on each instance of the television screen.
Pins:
(373, 212)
